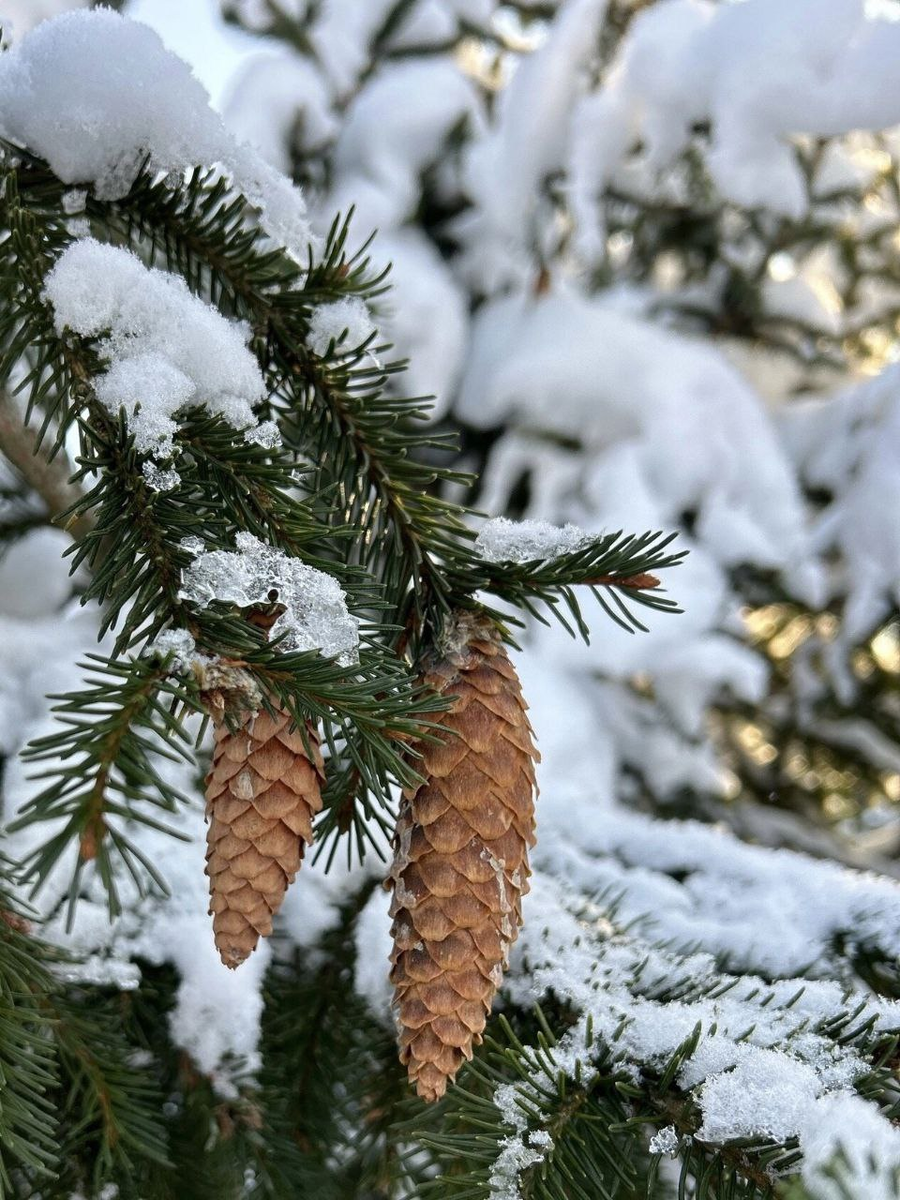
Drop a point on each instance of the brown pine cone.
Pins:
(461, 857)
(261, 795)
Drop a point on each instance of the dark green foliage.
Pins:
(112, 731)
(68, 1094)
(338, 1073)
(370, 511)
(28, 1065)
(110, 1108)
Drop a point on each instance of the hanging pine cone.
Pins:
(461, 857)
(261, 794)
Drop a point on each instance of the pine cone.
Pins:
(261, 795)
(461, 858)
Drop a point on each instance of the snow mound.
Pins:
(166, 348)
(97, 95)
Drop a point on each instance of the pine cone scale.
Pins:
(235, 749)
(445, 756)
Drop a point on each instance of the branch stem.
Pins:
(49, 478)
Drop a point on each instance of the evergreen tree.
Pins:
(558, 183)
(268, 531)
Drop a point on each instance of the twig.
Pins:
(50, 479)
(642, 582)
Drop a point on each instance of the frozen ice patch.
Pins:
(502, 540)
(160, 479)
(178, 643)
(666, 1141)
(315, 616)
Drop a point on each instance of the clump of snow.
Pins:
(315, 616)
(518, 1151)
(96, 95)
(503, 540)
(424, 316)
(18, 16)
(767, 1058)
(166, 349)
(506, 1170)
(666, 1141)
(69, 91)
(346, 323)
(278, 100)
(160, 479)
(266, 434)
(849, 1149)
(766, 1094)
(342, 32)
(848, 444)
(393, 131)
(175, 642)
(78, 227)
(506, 1103)
(73, 201)
(729, 894)
(505, 169)
(696, 432)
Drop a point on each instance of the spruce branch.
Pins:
(68, 1089)
(196, 228)
(370, 713)
(102, 773)
(591, 1128)
(110, 1108)
(623, 566)
(335, 410)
